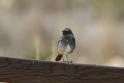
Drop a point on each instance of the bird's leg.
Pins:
(68, 61)
(63, 59)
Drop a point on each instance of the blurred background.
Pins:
(30, 29)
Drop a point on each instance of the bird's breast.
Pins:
(68, 48)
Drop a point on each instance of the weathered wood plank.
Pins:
(30, 71)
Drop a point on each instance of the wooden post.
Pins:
(32, 71)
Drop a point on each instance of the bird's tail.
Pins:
(58, 58)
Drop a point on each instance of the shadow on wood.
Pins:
(31, 71)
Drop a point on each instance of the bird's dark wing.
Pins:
(72, 44)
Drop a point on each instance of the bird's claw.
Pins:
(68, 61)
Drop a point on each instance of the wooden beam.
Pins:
(31, 71)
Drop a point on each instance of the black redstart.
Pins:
(66, 45)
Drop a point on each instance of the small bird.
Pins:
(65, 45)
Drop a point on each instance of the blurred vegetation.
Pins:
(46, 55)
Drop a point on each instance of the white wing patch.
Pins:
(60, 45)
(68, 48)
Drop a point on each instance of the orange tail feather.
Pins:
(58, 58)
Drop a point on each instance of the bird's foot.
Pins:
(68, 61)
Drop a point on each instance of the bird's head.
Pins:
(67, 31)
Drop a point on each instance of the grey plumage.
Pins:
(66, 44)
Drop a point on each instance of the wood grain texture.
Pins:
(30, 71)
